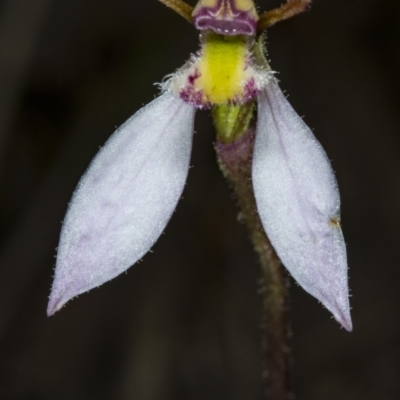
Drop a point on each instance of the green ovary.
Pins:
(231, 122)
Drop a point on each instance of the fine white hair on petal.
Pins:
(125, 199)
(298, 202)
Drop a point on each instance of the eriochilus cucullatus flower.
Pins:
(127, 196)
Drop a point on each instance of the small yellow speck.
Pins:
(335, 222)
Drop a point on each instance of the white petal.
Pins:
(298, 202)
(125, 199)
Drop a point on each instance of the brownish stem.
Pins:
(180, 7)
(288, 10)
(235, 162)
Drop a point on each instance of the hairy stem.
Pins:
(235, 162)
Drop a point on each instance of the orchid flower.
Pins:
(129, 192)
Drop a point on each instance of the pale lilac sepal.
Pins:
(125, 199)
(298, 202)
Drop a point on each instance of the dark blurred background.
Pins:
(184, 323)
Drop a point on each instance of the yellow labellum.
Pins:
(222, 68)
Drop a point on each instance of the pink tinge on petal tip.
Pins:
(345, 321)
(298, 202)
(56, 302)
(125, 199)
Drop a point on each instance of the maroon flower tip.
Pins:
(226, 17)
(225, 27)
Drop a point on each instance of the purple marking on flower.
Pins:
(225, 27)
(225, 19)
(189, 94)
(250, 90)
(192, 78)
